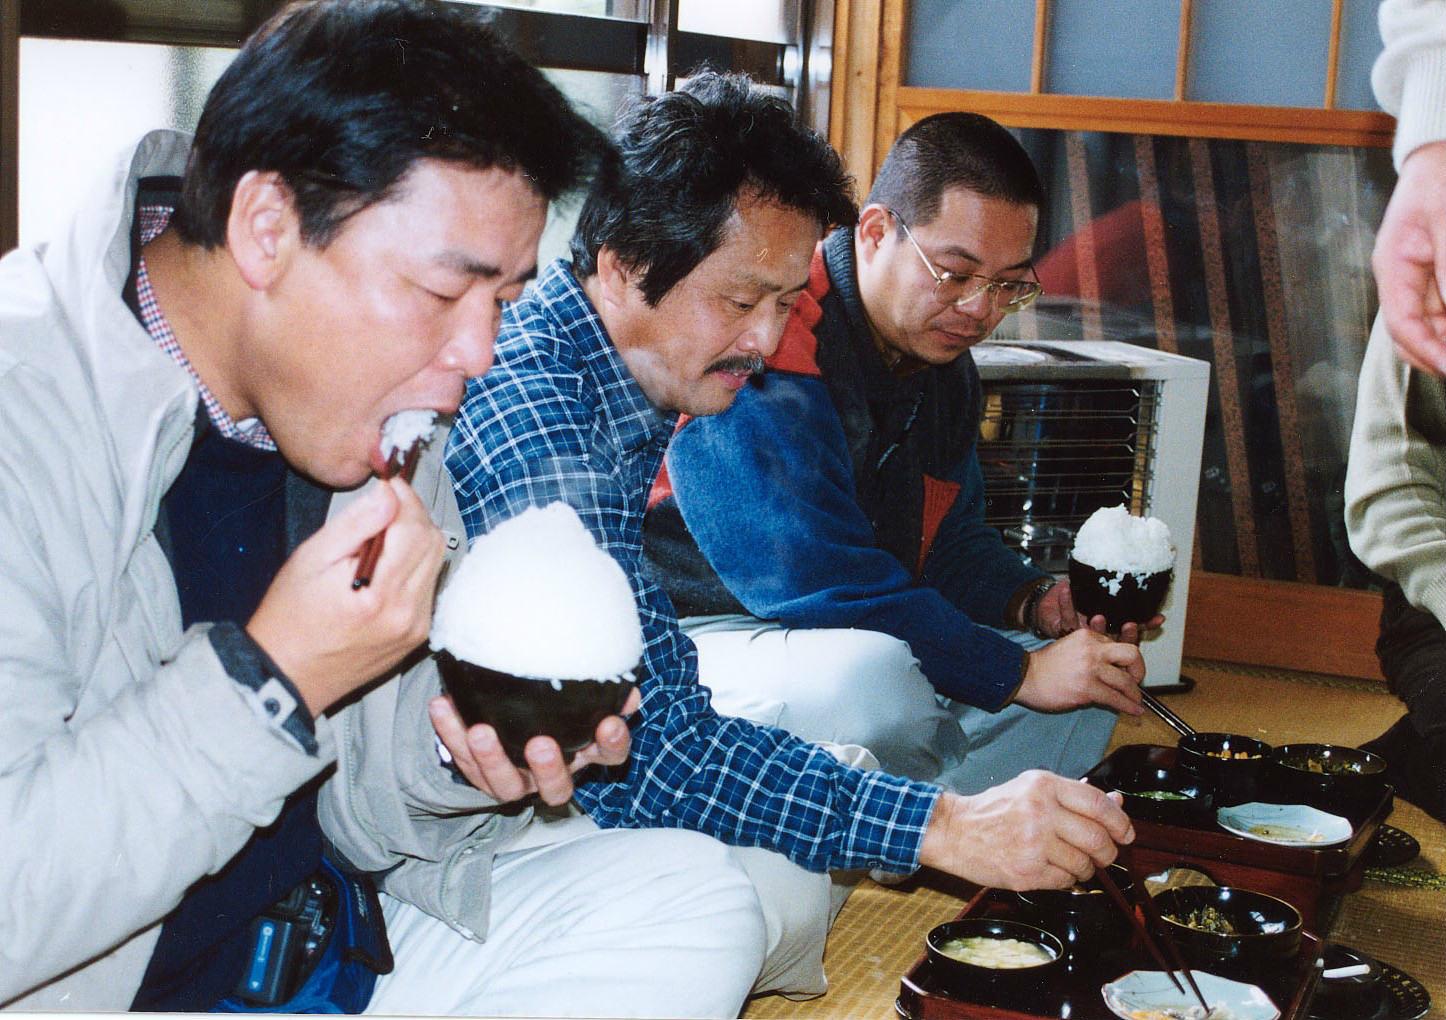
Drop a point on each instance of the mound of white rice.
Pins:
(536, 597)
(403, 429)
(1114, 539)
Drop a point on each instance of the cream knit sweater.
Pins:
(1410, 75)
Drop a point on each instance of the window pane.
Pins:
(985, 44)
(1273, 54)
(1113, 48)
(773, 21)
(81, 102)
(1360, 45)
(1254, 256)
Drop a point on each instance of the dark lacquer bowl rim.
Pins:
(997, 927)
(1181, 930)
(1375, 764)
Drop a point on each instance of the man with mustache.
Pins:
(687, 262)
(824, 540)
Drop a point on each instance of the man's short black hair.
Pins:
(685, 159)
(954, 150)
(342, 98)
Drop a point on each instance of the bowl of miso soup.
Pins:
(1010, 959)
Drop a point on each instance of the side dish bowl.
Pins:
(1084, 917)
(1174, 796)
(1328, 776)
(1230, 930)
(1232, 765)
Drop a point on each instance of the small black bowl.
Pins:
(1230, 764)
(1266, 930)
(1328, 776)
(1002, 986)
(1083, 917)
(1357, 996)
(1174, 796)
(520, 709)
(1135, 599)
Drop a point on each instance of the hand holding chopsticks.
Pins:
(399, 464)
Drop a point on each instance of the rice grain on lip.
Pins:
(537, 598)
(1114, 539)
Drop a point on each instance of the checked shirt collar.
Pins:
(633, 423)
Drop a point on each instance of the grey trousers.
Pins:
(863, 687)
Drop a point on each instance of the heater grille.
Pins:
(1054, 452)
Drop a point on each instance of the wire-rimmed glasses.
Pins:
(959, 289)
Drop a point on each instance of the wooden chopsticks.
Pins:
(1143, 930)
(399, 463)
(1147, 905)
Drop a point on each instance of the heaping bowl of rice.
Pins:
(1121, 566)
(537, 633)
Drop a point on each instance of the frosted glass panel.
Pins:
(1270, 54)
(600, 97)
(774, 21)
(1113, 48)
(81, 102)
(1360, 45)
(630, 10)
(970, 44)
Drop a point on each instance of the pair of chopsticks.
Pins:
(399, 463)
(1143, 930)
(1175, 723)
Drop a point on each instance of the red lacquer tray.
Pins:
(1311, 880)
(923, 996)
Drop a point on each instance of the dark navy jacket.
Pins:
(834, 494)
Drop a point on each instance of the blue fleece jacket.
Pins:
(835, 495)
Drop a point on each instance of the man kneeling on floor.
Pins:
(188, 374)
(685, 264)
(825, 539)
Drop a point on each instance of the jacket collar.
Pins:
(146, 401)
(881, 384)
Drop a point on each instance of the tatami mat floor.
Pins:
(1398, 915)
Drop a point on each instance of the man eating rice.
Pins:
(187, 376)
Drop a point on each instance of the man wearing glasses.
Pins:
(824, 540)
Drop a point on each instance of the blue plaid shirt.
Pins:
(560, 418)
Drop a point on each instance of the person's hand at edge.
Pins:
(1409, 260)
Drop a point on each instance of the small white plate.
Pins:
(1148, 994)
(1284, 824)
